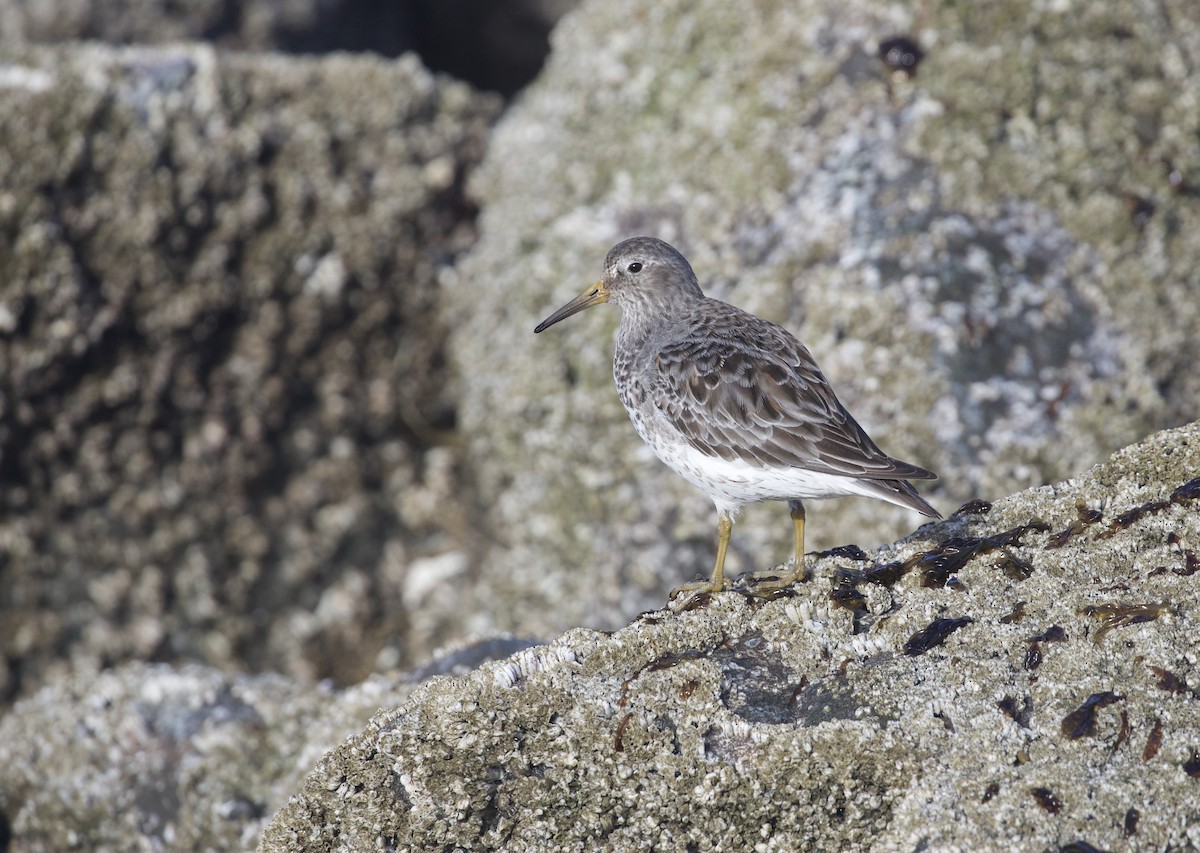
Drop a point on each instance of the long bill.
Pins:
(592, 296)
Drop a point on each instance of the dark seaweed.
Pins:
(1082, 721)
(934, 634)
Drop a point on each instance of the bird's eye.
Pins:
(634, 267)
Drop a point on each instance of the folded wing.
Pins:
(751, 391)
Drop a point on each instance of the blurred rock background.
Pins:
(226, 411)
(269, 397)
(271, 409)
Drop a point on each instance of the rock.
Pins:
(225, 403)
(151, 757)
(1026, 678)
(992, 257)
(183, 758)
(1022, 675)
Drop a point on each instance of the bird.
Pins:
(733, 403)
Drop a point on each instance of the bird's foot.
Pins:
(772, 583)
(696, 593)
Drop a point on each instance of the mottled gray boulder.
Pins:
(153, 757)
(1012, 679)
(1015, 679)
(994, 260)
(224, 399)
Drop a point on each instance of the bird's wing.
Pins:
(747, 389)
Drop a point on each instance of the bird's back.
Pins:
(742, 391)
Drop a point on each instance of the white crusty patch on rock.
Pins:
(511, 672)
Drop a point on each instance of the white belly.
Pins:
(733, 483)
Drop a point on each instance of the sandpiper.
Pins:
(731, 402)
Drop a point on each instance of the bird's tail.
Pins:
(901, 493)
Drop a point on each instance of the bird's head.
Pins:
(639, 273)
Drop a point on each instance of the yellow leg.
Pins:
(717, 582)
(797, 509)
(724, 529)
(765, 583)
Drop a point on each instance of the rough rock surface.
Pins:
(182, 758)
(1067, 709)
(1028, 677)
(224, 396)
(151, 757)
(994, 260)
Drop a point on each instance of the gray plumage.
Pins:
(732, 402)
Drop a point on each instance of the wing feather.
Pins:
(739, 387)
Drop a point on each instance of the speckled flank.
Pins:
(731, 484)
